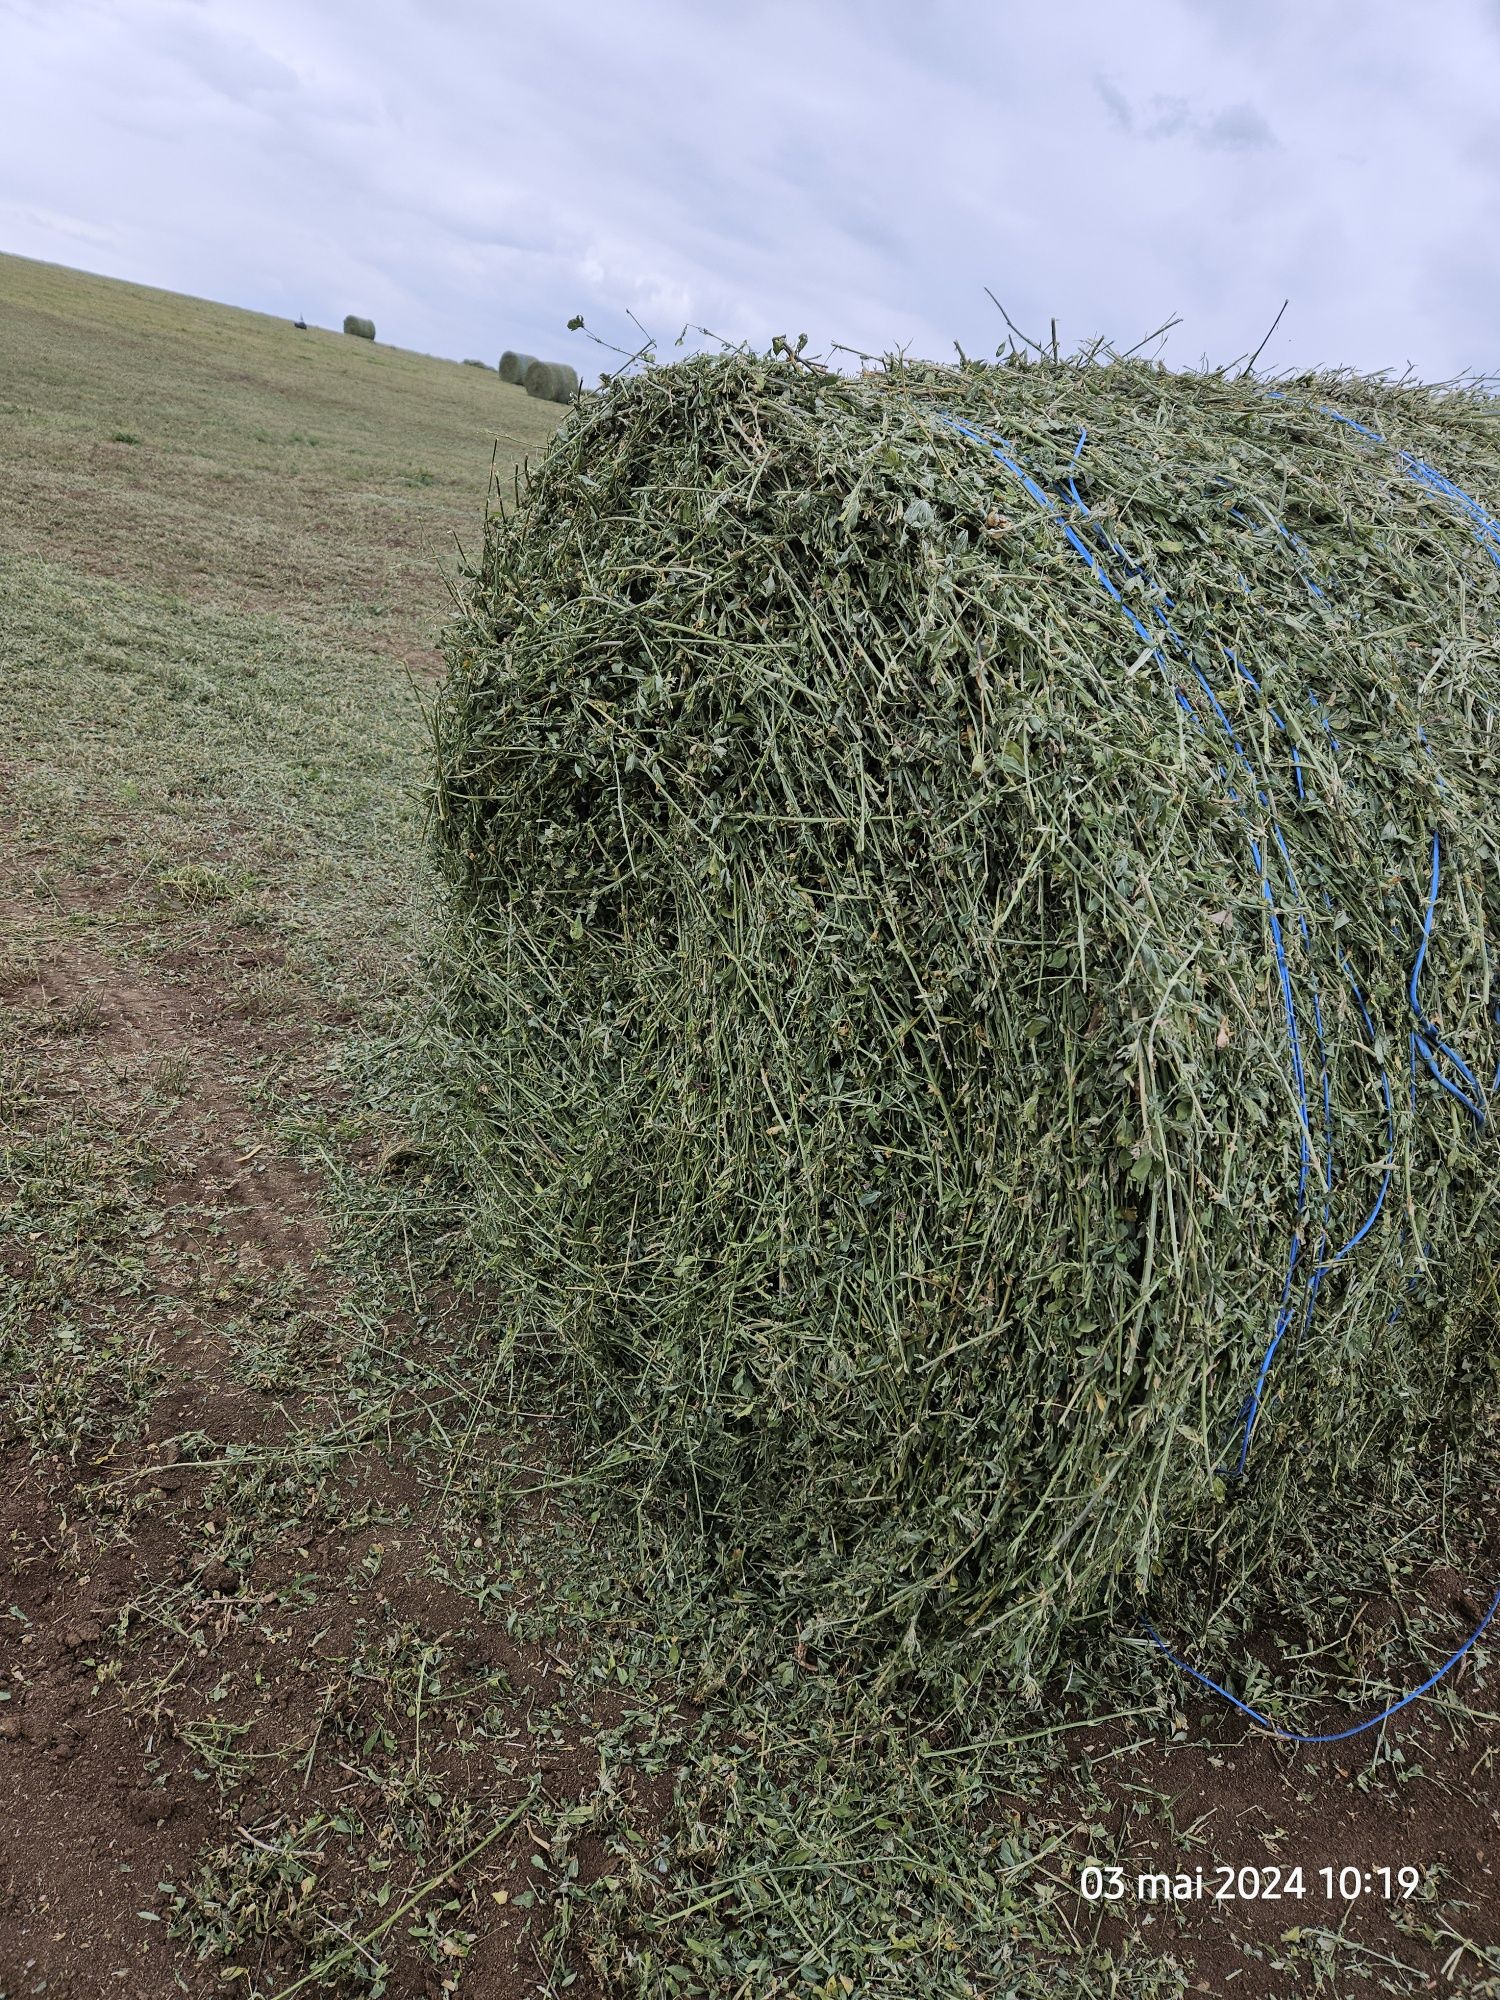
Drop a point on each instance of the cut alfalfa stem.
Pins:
(339, 1957)
(921, 849)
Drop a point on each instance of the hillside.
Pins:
(225, 545)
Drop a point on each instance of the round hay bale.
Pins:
(363, 328)
(975, 893)
(513, 366)
(551, 381)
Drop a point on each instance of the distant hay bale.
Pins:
(551, 381)
(477, 364)
(513, 366)
(364, 328)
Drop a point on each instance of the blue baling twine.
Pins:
(1424, 1037)
(1287, 1309)
(1334, 1735)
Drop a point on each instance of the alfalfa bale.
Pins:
(363, 328)
(513, 366)
(551, 381)
(941, 870)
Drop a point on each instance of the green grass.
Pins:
(223, 457)
(213, 742)
(246, 769)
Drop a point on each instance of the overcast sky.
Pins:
(470, 173)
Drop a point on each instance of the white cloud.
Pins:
(1238, 125)
(232, 64)
(471, 175)
(1167, 117)
(46, 222)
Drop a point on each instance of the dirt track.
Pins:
(171, 1633)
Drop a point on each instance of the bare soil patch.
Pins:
(229, 1665)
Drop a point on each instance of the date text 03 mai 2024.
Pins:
(1250, 1884)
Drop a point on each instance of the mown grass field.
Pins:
(327, 1665)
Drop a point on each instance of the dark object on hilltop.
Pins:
(513, 366)
(478, 364)
(364, 328)
(956, 875)
(551, 382)
(300, 324)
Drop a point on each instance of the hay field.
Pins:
(228, 459)
(323, 1645)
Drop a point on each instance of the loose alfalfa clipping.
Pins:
(949, 972)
